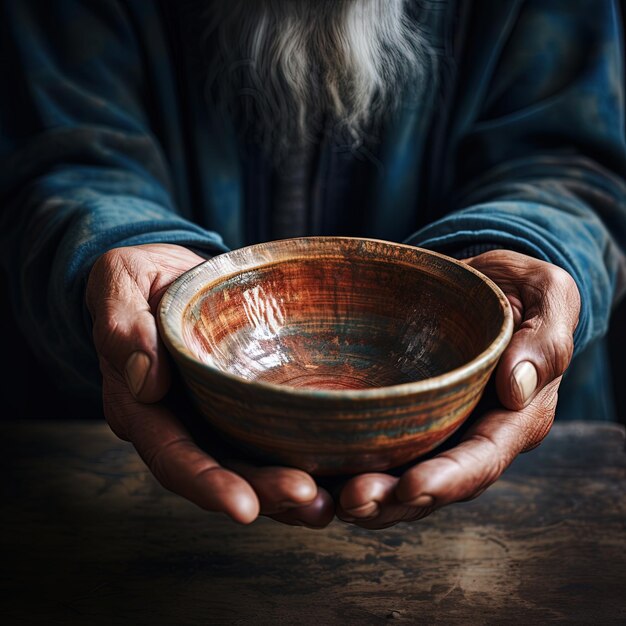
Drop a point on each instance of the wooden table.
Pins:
(88, 537)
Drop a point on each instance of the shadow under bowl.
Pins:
(335, 354)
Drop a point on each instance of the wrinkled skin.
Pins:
(123, 292)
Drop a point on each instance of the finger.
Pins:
(277, 488)
(180, 466)
(175, 460)
(289, 495)
(542, 346)
(363, 496)
(124, 328)
(377, 489)
(368, 501)
(466, 470)
(317, 514)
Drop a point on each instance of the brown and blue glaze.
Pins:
(335, 354)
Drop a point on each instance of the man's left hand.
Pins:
(546, 306)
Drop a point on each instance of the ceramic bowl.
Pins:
(335, 354)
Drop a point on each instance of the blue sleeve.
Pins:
(80, 170)
(538, 156)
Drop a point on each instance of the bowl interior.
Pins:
(343, 322)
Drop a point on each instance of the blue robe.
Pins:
(514, 138)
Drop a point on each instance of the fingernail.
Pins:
(137, 368)
(524, 381)
(421, 501)
(371, 509)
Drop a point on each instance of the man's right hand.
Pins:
(123, 293)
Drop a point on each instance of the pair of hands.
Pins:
(123, 292)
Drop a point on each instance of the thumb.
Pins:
(124, 329)
(542, 346)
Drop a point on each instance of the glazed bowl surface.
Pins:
(335, 354)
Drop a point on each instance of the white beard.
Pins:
(285, 68)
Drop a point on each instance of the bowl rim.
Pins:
(171, 336)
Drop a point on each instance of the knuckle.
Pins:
(560, 352)
(557, 274)
(102, 277)
(107, 334)
(561, 278)
(565, 288)
(108, 264)
(115, 299)
(110, 257)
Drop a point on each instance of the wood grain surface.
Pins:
(89, 537)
